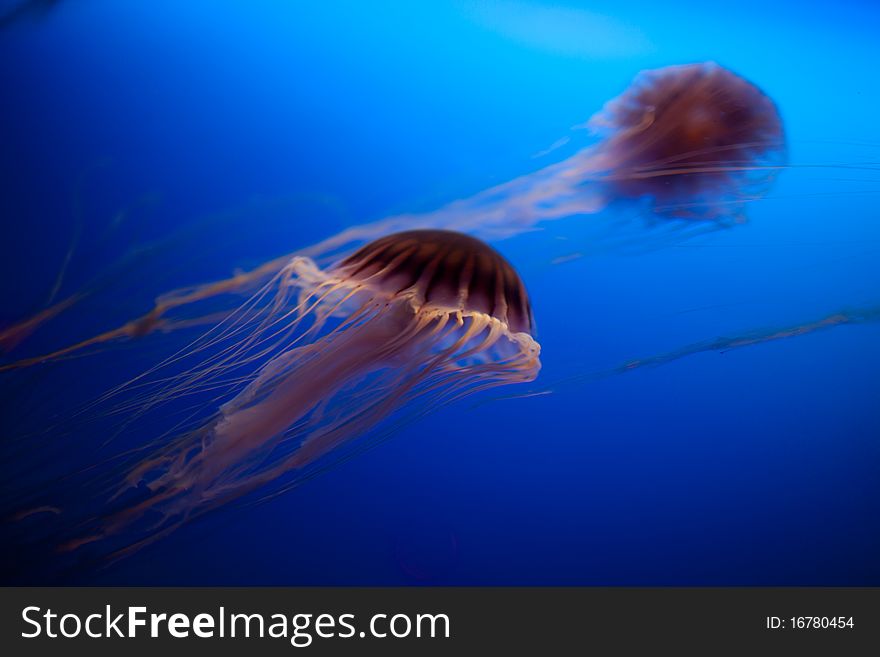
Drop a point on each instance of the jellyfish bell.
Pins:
(696, 140)
(443, 272)
(412, 320)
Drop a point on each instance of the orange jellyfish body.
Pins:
(696, 139)
(421, 315)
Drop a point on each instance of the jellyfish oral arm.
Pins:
(246, 427)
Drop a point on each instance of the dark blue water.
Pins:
(171, 143)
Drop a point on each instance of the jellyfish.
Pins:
(315, 361)
(697, 141)
(692, 143)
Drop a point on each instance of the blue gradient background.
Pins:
(247, 129)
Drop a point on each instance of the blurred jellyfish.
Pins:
(697, 141)
(689, 144)
(316, 360)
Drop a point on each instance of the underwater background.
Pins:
(150, 144)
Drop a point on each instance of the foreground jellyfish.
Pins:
(318, 359)
(691, 144)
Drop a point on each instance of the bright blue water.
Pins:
(244, 130)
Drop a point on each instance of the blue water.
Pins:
(229, 132)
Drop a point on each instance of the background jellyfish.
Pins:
(696, 140)
(693, 142)
(313, 361)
